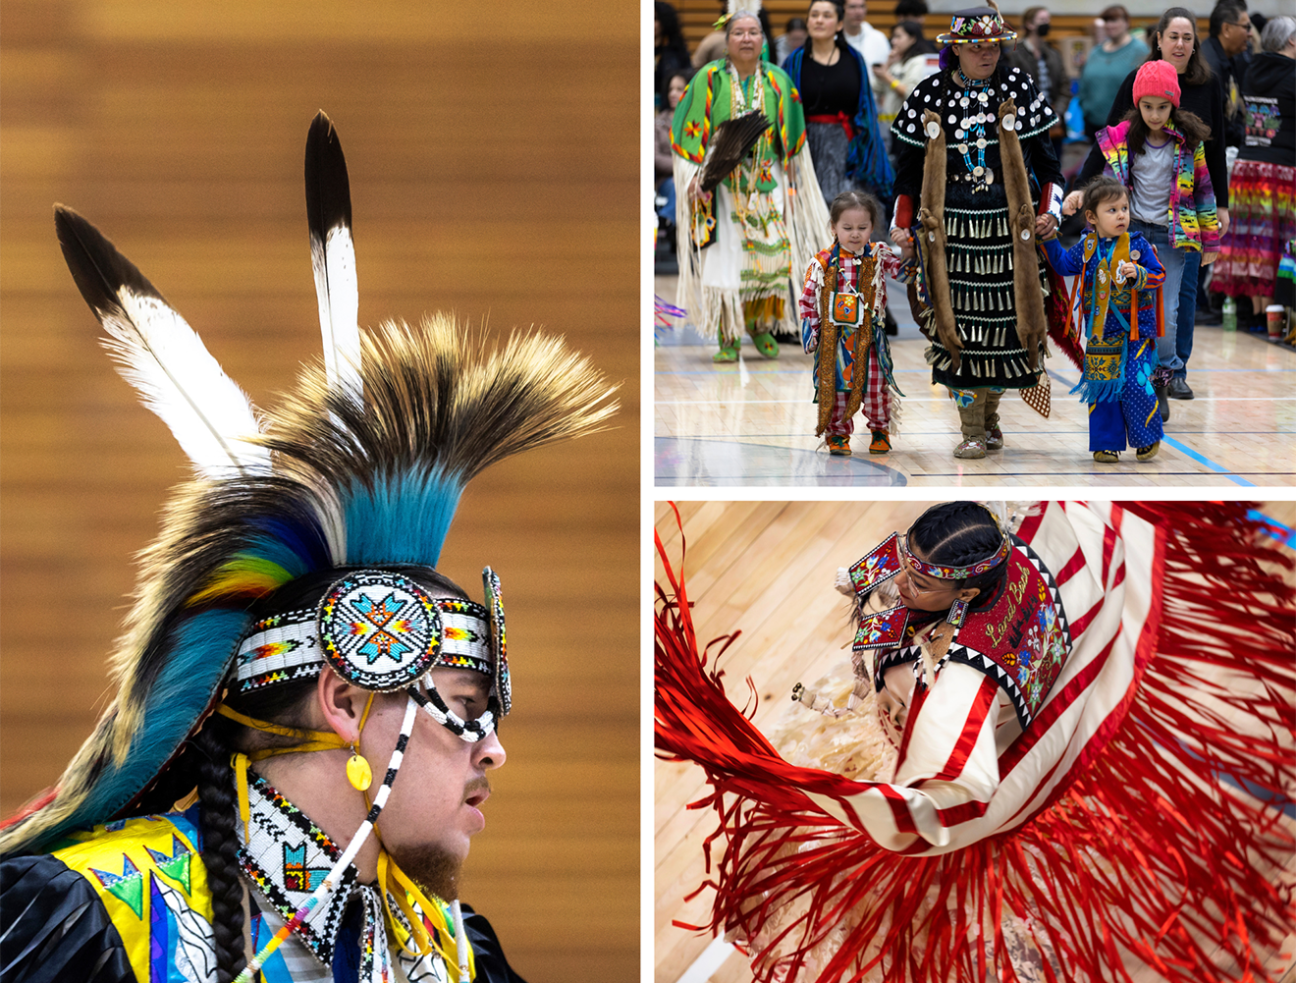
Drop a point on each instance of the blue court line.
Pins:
(1063, 474)
(1270, 799)
(1284, 534)
(1207, 462)
(797, 370)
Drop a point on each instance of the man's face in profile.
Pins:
(435, 801)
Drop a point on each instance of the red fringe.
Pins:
(1124, 862)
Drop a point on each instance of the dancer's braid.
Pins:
(220, 849)
(959, 534)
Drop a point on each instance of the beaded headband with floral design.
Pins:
(940, 572)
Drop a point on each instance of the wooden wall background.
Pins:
(494, 154)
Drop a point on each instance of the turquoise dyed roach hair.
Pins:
(372, 482)
(362, 465)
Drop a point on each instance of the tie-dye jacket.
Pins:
(1192, 223)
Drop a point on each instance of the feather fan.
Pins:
(333, 258)
(161, 356)
(732, 141)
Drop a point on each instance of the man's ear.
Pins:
(341, 703)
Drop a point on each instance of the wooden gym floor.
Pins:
(489, 150)
(767, 568)
(752, 423)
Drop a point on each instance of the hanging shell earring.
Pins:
(957, 612)
(358, 771)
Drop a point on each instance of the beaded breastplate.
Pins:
(1022, 640)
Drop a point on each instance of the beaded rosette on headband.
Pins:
(383, 631)
(977, 24)
(353, 481)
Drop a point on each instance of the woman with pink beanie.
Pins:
(1157, 151)
(1174, 40)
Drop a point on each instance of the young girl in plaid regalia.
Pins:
(843, 307)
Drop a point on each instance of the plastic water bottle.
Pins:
(1230, 314)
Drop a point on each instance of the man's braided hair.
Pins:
(212, 748)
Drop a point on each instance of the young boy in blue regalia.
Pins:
(1119, 308)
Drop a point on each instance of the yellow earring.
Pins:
(358, 772)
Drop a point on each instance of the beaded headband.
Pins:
(382, 631)
(884, 561)
(977, 24)
(940, 572)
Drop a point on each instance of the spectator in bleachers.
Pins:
(793, 38)
(871, 43)
(1106, 67)
(712, 46)
(1043, 63)
(1264, 177)
(1230, 32)
(906, 66)
(841, 115)
(911, 9)
(664, 164)
(669, 49)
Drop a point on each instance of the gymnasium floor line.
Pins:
(1216, 435)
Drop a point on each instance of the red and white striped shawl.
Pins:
(966, 770)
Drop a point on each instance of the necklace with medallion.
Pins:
(972, 101)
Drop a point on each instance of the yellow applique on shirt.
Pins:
(135, 865)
